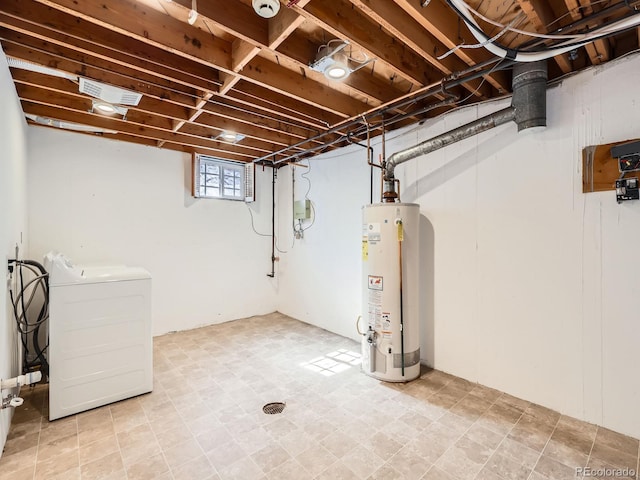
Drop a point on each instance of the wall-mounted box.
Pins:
(302, 210)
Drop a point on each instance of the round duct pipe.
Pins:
(530, 94)
(266, 8)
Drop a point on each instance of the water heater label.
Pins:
(375, 283)
(373, 232)
(365, 250)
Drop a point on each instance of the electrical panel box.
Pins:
(302, 210)
(627, 189)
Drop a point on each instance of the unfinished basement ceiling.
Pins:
(234, 71)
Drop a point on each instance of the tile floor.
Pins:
(204, 420)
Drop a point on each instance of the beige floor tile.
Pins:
(532, 432)
(225, 454)
(505, 467)
(94, 418)
(408, 465)
(24, 442)
(289, 470)
(56, 465)
(57, 447)
(345, 426)
(197, 469)
(362, 461)
(270, 457)
(26, 473)
(617, 441)
(243, 469)
(18, 460)
(339, 443)
(182, 452)
(435, 473)
(148, 468)
(106, 467)
(602, 470)
(98, 449)
(566, 455)
(20, 429)
(616, 458)
(100, 431)
(253, 440)
(554, 470)
(338, 471)
(136, 437)
(316, 459)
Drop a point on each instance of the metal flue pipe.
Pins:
(528, 109)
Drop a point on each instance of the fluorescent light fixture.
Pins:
(78, 127)
(227, 136)
(34, 67)
(193, 13)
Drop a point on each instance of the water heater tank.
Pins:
(391, 337)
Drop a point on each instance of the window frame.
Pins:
(198, 187)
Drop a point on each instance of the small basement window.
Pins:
(217, 178)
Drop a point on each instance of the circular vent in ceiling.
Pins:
(266, 8)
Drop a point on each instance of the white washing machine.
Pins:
(100, 342)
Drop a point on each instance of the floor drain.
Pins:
(273, 408)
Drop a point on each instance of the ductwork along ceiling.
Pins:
(264, 70)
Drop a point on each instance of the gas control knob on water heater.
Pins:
(391, 339)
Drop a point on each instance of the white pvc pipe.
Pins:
(26, 379)
(623, 24)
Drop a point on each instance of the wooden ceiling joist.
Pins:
(234, 70)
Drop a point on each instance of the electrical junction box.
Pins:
(627, 189)
(302, 210)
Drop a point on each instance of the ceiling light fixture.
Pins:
(105, 108)
(227, 136)
(78, 127)
(333, 61)
(193, 13)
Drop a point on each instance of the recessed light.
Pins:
(231, 137)
(104, 107)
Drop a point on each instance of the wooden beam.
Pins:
(119, 125)
(284, 81)
(411, 33)
(444, 24)
(192, 43)
(45, 23)
(110, 76)
(342, 20)
(154, 113)
(540, 15)
(254, 96)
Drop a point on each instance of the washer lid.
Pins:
(63, 272)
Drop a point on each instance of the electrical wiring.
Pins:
(504, 30)
(253, 225)
(544, 53)
(510, 28)
(306, 197)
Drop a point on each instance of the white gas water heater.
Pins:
(390, 338)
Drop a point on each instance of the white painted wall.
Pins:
(13, 219)
(529, 285)
(98, 200)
